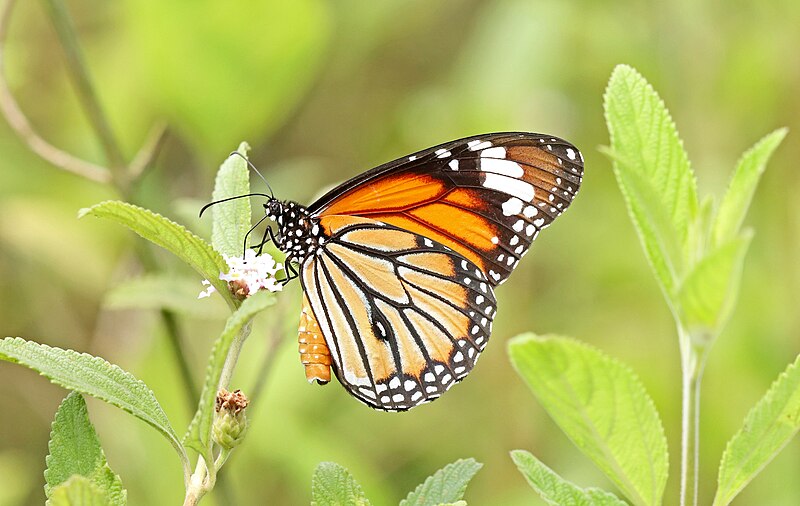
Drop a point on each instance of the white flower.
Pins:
(248, 275)
(208, 291)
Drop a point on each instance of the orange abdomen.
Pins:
(314, 353)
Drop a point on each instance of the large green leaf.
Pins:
(332, 485)
(556, 490)
(75, 450)
(736, 202)
(767, 428)
(78, 491)
(92, 376)
(237, 327)
(447, 485)
(231, 219)
(707, 295)
(170, 236)
(652, 170)
(602, 407)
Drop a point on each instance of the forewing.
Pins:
(487, 197)
(404, 317)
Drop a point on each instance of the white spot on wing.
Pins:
(509, 186)
(512, 206)
(570, 153)
(505, 167)
(476, 145)
(442, 153)
(453, 164)
(496, 152)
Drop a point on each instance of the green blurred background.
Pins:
(324, 90)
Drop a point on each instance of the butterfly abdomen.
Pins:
(314, 353)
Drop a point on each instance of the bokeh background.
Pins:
(324, 90)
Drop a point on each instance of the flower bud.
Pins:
(230, 422)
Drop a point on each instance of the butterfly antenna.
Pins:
(233, 198)
(254, 170)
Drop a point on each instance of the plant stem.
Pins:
(19, 122)
(205, 475)
(84, 88)
(233, 356)
(693, 359)
(196, 487)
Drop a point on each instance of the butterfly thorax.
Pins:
(299, 234)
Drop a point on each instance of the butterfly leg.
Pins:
(291, 272)
(264, 240)
(244, 247)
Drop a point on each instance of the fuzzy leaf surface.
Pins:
(767, 428)
(169, 235)
(708, 293)
(78, 491)
(93, 376)
(739, 194)
(601, 405)
(75, 450)
(557, 491)
(447, 485)
(652, 170)
(333, 485)
(231, 220)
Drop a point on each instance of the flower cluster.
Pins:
(248, 274)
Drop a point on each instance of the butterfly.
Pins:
(398, 265)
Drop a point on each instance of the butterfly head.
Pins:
(299, 233)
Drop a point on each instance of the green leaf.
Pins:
(656, 232)
(556, 490)
(708, 294)
(447, 485)
(652, 170)
(92, 376)
(165, 291)
(170, 236)
(75, 450)
(231, 219)
(238, 325)
(746, 176)
(332, 485)
(602, 407)
(767, 428)
(78, 491)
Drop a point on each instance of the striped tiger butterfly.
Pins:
(398, 265)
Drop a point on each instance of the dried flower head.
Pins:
(230, 423)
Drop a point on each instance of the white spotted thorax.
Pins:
(299, 234)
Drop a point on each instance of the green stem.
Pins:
(84, 88)
(693, 359)
(233, 356)
(174, 336)
(196, 487)
(205, 476)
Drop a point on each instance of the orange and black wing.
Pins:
(403, 316)
(486, 197)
